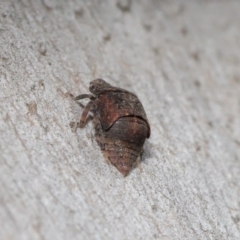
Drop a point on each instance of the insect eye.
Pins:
(92, 88)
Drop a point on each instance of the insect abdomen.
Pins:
(123, 142)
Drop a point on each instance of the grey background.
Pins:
(181, 58)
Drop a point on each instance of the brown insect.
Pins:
(121, 124)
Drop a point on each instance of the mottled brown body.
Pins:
(121, 125)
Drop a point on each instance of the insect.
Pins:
(121, 125)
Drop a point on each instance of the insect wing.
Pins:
(113, 105)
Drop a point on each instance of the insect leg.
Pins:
(82, 96)
(83, 119)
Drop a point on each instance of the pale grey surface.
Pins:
(182, 59)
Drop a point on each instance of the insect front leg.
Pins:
(83, 120)
(82, 96)
(87, 108)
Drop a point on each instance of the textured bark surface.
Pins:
(181, 58)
